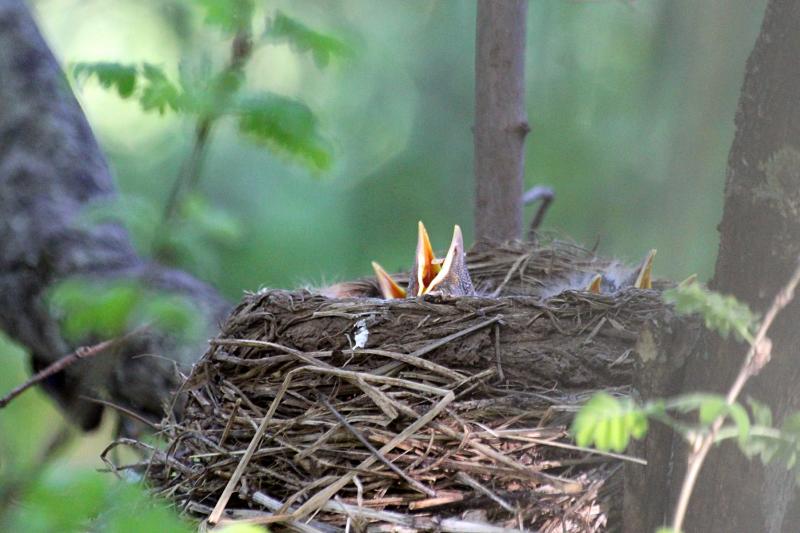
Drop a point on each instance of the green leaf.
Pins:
(608, 423)
(303, 39)
(228, 15)
(781, 445)
(762, 414)
(739, 415)
(129, 509)
(101, 310)
(721, 313)
(172, 314)
(206, 93)
(285, 125)
(764, 446)
(140, 216)
(243, 528)
(45, 507)
(214, 224)
(155, 92)
(790, 447)
(711, 407)
(90, 309)
(158, 92)
(109, 75)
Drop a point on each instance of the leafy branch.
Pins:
(758, 355)
(609, 423)
(284, 125)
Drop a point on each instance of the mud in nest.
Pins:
(319, 414)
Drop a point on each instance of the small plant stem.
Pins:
(189, 175)
(757, 356)
(84, 352)
(190, 171)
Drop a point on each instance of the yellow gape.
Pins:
(430, 275)
(641, 278)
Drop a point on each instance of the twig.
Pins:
(546, 195)
(322, 497)
(190, 170)
(757, 356)
(309, 526)
(219, 508)
(389, 367)
(418, 523)
(229, 425)
(123, 410)
(500, 376)
(83, 352)
(374, 451)
(467, 480)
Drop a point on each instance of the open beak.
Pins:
(453, 279)
(644, 274)
(426, 266)
(389, 287)
(431, 275)
(640, 278)
(595, 285)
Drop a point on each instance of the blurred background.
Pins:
(632, 106)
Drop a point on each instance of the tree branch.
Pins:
(50, 168)
(759, 246)
(757, 356)
(501, 122)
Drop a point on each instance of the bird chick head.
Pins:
(429, 274)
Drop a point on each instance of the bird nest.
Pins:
(317, 414)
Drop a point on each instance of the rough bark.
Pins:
(50, 168)
(663, 352)
(501, 122)
(759, 247)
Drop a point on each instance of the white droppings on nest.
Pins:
(362, 334)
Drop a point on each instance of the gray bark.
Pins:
(759, 247)
(663, 352)
(50, 168)
(501, 122)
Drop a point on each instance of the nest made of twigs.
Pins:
(417, 414)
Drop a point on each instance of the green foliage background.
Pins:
(631, 103)
(632, 109)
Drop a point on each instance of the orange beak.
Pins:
(595, 285)
(389, 287)
(431, 275)
(426, 266)
(453, 279)
(644, 277)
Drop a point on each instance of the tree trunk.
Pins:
(501, 122)
(759, 248)
(50, 168)
(658, 373)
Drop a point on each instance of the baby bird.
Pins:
(613, 278)
(431, 275)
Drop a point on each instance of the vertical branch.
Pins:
(501, 123)
(189, 175)
(759, 244)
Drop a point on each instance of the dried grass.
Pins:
(453, 416)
